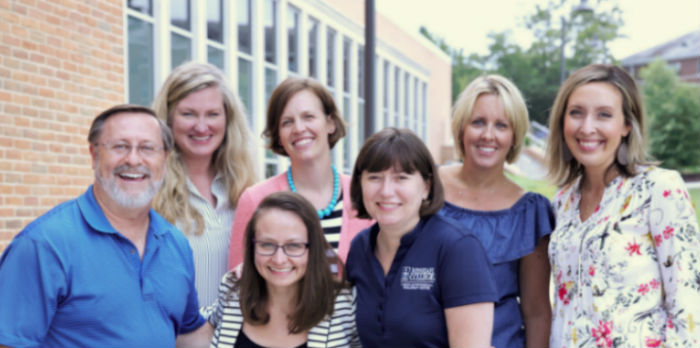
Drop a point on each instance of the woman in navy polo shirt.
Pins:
(421, 280)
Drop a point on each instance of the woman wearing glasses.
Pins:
(287, 295)
(208, 169)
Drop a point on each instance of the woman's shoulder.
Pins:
(272, 184)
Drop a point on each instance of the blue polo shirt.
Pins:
(438, 265)
(70, 279)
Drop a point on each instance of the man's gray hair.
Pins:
(99, 122)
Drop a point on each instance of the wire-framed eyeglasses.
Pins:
(294, 249)
(123, 148)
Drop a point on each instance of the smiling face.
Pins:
(594, 124)
(129, 180)
(280, 227)
(304, 128)
(199, 123)
(393, 198)
(488, 135)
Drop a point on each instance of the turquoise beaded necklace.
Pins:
(322, 213)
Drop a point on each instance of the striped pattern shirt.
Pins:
(331, 224)
(336, 330)
(210, 249)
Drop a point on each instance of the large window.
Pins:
(313, 48)
(292, 39)
(406, 100)
(270, 32)
(385, 95)
(215, 33)
(181, 32)
(347, 144)
(360, 94)
(397, 97)
(424, 113)
(330, 59)
(140, 45)
(245, 58)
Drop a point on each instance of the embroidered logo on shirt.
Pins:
(417, 278)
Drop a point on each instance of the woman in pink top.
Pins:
(303, 123)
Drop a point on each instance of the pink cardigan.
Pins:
(252, 196)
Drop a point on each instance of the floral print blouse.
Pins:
(628, 276)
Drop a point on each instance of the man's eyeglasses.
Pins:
(122, 148)
(289, 249)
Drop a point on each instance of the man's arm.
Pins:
(33, 281)
(200, 337)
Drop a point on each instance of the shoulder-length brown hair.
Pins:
(401, 149)
(562, 167)
(316, 290)
(279, 99)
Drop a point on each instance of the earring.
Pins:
(622, 156)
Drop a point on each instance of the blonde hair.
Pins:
(562, 167)
(513, 105)
(232, 159)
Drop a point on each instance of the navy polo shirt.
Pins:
(70, 279)
(438, 265)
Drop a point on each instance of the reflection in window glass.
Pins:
(360, 72)
(270, 82)
(416, 124)
(360, 121)
(143, 6)
(245, 86)
(330, 58)
(215, 56)
(140, 62)
(215, 20)
(347, 156)
(407, 100)
(180, 15)
(243, 11)
(397, 96)
(313, 50)
(385, 97)
(270, 170)
(269, 22)
(181, 49)
(425, 112)
(346, 65)
(293, 38)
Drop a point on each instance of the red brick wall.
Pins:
(61, 62)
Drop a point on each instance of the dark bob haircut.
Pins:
(403, 150)
(316, 290)
(279, 99)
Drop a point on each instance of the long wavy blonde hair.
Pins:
(232, 159)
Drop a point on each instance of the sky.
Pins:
(466, 23)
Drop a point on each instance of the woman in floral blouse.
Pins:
(625, 252)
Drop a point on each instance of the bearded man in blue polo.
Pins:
(104, 269)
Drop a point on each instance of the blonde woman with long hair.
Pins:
(209, 168)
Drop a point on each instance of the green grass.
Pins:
(540, 186)
(695, 197)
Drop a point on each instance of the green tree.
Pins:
(535, 69)
(674, 110)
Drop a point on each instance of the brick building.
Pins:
(682, 53)
(61, 62)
